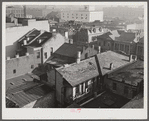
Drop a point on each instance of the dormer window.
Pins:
(94, 30)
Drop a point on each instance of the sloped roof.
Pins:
(132, 74)
(126, 37)
(69, 50)
(24, 95)
(108, 57)
(78, 73)
(32, 34)
(43, 37)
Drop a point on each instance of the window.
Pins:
(104, 43)
(121, 47)
(125, 90)
(45, 55)
(114, 86)
(32, 66)
(86, 55)
(14, 71)
(77, 90)
(38, 54)
(81, 17)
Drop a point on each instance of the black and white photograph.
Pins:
(74, 59)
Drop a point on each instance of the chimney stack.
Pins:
(25, 43)
(27, 54)
(131, 58)
(79, 57)
(111, 66)
(93, 46)
(71, 41)
(99, 49)
(8, 58)
(17, 56)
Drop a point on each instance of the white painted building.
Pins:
(15, 33)
(88, 14)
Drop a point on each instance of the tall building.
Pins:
(17, 11)
(123, 12)
(88, 14)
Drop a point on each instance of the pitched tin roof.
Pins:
(108, 57)
(78, 73)
(69, 50)
(126, 37)
(43, 37)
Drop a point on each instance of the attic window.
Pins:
(90, 30)
(94, 30)
(100, 29)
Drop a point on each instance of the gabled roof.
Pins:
(110, 35)
(75, 73)
(132, 74)
(108, 57)
(69, 50)
(43, 37)
(126, 37)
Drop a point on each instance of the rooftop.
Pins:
(44, 37)
(87, 69)
(29, 36)
(106, 58)
(20, 80)
(78, 73)
(126, 37)
(25, 95)
(131, 74)
(69, 50)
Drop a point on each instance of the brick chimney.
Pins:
(27, 54)
(93, 46)
(8, 58)
(79, 57)
(99, 49)
(132, 58)
(25, 42)
(17, 55)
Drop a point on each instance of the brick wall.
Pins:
(22, 65)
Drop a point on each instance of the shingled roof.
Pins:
(108, 57)
(78, 73)
(132, 74)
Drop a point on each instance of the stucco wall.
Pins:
(55, 42)
(22, 65)
(14, 33)
(120, 88)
